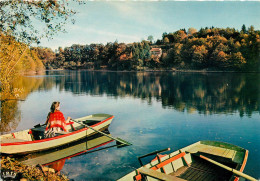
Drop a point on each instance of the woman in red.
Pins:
(55, 121)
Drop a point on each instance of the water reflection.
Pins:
(10, 112)
(207, 93)
(56, 158)
(10, 115)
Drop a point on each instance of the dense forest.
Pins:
(209, 48)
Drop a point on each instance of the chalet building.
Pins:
(156, 52)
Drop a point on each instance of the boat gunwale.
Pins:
(56, 137)
(242, 167)
(227, 145)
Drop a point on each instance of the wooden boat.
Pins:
(32, 140)
(60, 155)
(193, 163)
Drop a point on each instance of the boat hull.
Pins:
(24, 147)
(74, 149)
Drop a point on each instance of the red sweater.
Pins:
(56, 119)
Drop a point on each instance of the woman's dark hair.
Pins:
(54, 105)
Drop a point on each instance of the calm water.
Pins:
(152, 111)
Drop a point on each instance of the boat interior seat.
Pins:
(158, 175)
(214, 157)
(38, 132)
(228, 154)
(91, 122)
(96, 118)
(61, 133)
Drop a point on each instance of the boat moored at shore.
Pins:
(201, 161)
(32, 140)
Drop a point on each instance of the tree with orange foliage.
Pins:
(237, 60)
(191, 31)
(18, 32)
(199, 55)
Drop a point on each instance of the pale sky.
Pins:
(132, 21)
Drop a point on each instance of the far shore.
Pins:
(159, 70)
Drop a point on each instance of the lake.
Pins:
(153, 111)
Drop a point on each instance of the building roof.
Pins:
(156, 49)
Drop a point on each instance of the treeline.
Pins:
(214, 48)
(209, 48)
(113, 56)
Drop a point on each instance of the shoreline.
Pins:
(159, 70)
(12, 168)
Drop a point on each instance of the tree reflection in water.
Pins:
(206, 93)
(10, 116)
(10, 112)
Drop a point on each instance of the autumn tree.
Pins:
(166, 40)
(19, 19)
(191, 31)
(199, 56)
(173, 57)
(150, 38)
(237, 60)
(26, 22)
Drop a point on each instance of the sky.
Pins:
(134, 21)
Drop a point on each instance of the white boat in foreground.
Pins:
(32, 140)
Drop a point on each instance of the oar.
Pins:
(88, 152)
(229, 169)
(152, 153)
(117, 139)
